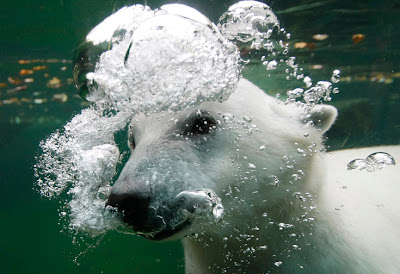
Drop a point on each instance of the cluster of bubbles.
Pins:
(144, 60)
(82, 161)
(253, 26)
(314, 95)
(373, 162)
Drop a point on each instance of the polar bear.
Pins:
(244, 185)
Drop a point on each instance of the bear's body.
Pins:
(355, 229)
(285, 208)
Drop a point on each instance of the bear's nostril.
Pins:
(135, 209)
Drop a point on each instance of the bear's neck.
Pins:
(252, 246)
(290, 241)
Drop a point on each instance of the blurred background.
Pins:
(37, 96)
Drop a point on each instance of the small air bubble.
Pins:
(227, 117)
(335, 76)
(307, 80)
(247, 119)
(272, 65)
(296, 247)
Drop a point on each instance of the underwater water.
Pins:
(361, 41)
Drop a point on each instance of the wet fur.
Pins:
(245, 241)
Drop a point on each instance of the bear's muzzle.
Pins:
(158, 221)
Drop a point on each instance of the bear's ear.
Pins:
(323, 116)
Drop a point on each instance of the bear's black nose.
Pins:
(135, 209)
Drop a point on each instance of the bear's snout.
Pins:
(134, 207)
(147, 218)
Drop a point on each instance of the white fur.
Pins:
(364, 206)
(279, 193)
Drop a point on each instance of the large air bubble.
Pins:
(165, 59)
(248, 21)
(112, 31)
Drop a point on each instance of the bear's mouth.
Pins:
(167, 233)
(152, 234)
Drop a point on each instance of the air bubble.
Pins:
(321, 91)
(248, 21)
(247, 119)
(228, 118)
(296, 93)
(140, 60)
(102, 38)
(374, 161)
(335, 76)
(296, 247)
(291, 62)
(252, 166)
(283, 226)
(218, 211)
(276, 181)
(380, 159)
(307, 80)
(272, 65)
(269, 46)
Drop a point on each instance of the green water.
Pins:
(31, 241)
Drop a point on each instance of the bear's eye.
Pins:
(201, 123)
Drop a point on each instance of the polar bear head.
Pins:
(201, 169)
